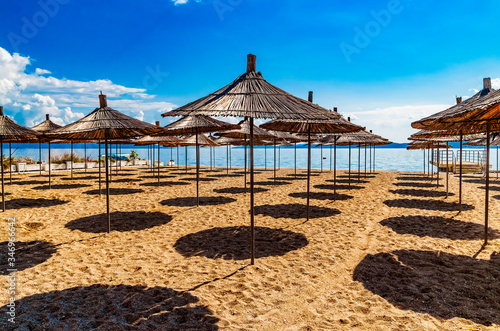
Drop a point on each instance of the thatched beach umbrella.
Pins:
(253, 97)
(334, 124)
(44, 127)
(478, 114)
(195, 125)
(105, 123)
(225, 141)
(11, 131)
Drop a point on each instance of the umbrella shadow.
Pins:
(165, 183)
(294, 211)
(426, 204)
(338, 187)
(421, 193)
(27, 254)
(156, 177)
(33, 203)
(240, 190)
(270, 183)
(492, 188)
(414, 184)
(232, 243)
(481, 180)
(46, 176)
(115, 191)
(415, 178)
(120, 221)
(226, 175)
(438, 227)
(347, 181)
(288, 178)
(103, 177)
(201, 179)
(248, 172)
(355, 175)
(191, 201)
(112, 307)
(60, 186)
(321, 196)
(126, 180)
(27, 182)
(435, 283)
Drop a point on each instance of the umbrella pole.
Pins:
(85, 155)
(275, 161)
(50, 171)
(214, 158)
(359, 162)
(252, 220)
(437, 162)
(279, 157)
(265, 157)
(460, 176)
(120, 158)
(424, 162)
(3, 188)
(159, 162)
(107, 180)
(374, 157)
(116, 159)
(321, 148)
(197, 170)
(370, 146)
(308, 167)
(10, 162)
(186, 155)
(295, 158)
(227, 159)
(349, 165)
(245, 160)
(447, 169)
(330, 157)
(99, 160)
(487, 198)
(497, 162)
(39, 155)
(335, 168)
(71, 160)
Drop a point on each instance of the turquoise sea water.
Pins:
(396, 159)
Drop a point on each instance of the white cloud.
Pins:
(393, 122)
(27, 97)
(182, 2)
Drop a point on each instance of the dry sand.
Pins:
(390, 253)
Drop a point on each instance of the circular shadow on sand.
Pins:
(115, 191)
(294, 211)
(415, 178)
(233, 243)
(421, 193)
(492, 188)
(435, 283)
(126, 180)
(112, 307)
(76, 177)
(26, 182)
(338, 187)
(27, 254)
(415, 184)
(60, 186)
(156, 177)
(347, 181)
(120, 221)
(46, 176)
(426, 204)
(248, 172)
(270, 183)
(438, 227)
(288, 178)
(321, 196)
(33, 203)
(191, 201)
(225, 175)
(165, 183)
(201, 179)
(240, 190)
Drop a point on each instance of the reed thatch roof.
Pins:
(470, 116)
(286, 137)
(202, 141)
(226, 140)
(426, 145)
(441, 135)
(148, 140)
(10, 131)
(250, 95)
(104, 119)
(46, 126)
(244, 131)
(192, 124)
(355, 138)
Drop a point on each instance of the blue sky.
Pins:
(384, 63)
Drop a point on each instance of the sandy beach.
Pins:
(390, 253)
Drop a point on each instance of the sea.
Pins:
(382, 158)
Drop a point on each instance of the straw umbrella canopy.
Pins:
(253, 97)
(334, 124)
(195, 125)
(11, 131)
(105, 123)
